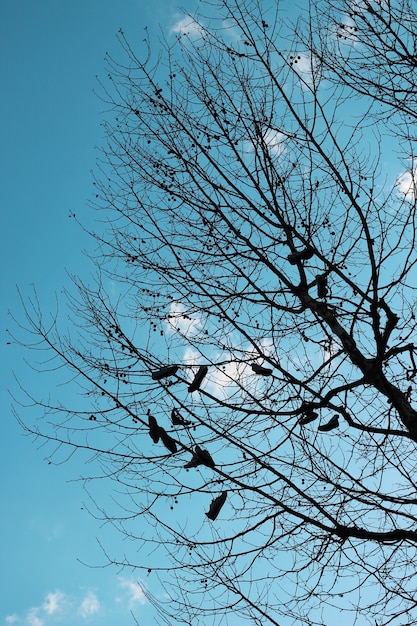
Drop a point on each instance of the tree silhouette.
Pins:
(254, 312)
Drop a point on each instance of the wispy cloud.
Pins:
(346, 30)
(191, 356)
(55, 603)
(234, 374)
(186, 26)
(305, 66)
(222, 381)
(407, 184)
(33, 619)
(134, 592)
(57, 607)
(272, 139)
(362, 5)
(178, 319)
(329, 350)
(89, 606)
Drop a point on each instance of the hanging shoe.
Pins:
(333, 423)
(163, 372)
(153, 428)
(198, 378)
(261, 371)
(216, 506)
(178, 420)
(168, 441)
(200, 457)
(307, 417)
(302, 255)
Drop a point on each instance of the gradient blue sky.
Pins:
(51, 52)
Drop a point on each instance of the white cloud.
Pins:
(407, 184)
(271, 138)
(186, 26)
(56, 607)
(345, 30)
(362, 5)
(274, 141)
(134, 592)
(222, 380)
(225, 380)
(329, 351)
(178, 319)
(89, 605)
(55, 602)
(266, 344)
(33, 619)
(306, 67)
(191, 356)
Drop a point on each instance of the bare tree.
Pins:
(247, 351)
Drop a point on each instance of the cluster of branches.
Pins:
(260, 247)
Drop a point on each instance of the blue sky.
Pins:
(50, 125)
